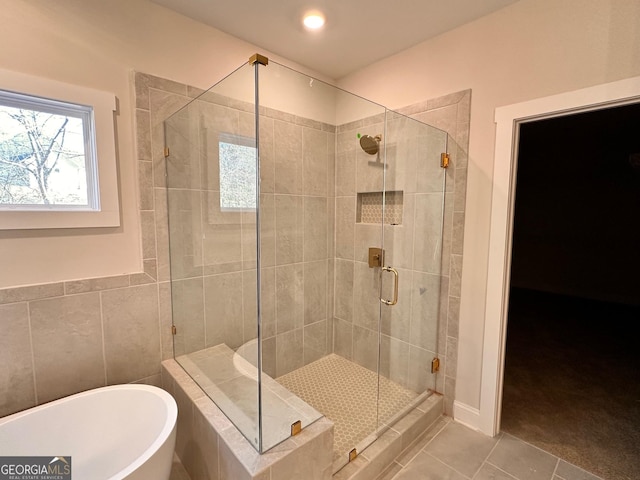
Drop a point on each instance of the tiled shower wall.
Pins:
(116, 329)
(427, 257)
(413, 248)
(213, 252)
(450, 113)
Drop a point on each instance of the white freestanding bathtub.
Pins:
(117, 432)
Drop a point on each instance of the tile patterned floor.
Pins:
(450, 451)
(346, 394)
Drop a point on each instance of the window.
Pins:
(238, 183)
(47, 154)
(57, 155)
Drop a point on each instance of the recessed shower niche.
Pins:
(380, 207)
(274, 304)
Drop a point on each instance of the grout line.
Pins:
(104, 349)
(438, 433)
(497, 468)
(161, 337)
(501, 436)
(529, 444)
(33, 355)
(555, 469)
(447, 465)
(416, 442)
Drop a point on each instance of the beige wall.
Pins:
(99, 44)
(531, 49)
(97, 301)
(528, 50)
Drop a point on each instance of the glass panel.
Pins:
(413, 219)
(277, 306)
(211, 191)
(297, 146)
(312, 169)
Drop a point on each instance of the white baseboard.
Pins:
(466, 415)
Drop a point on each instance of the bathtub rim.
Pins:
(170, 420)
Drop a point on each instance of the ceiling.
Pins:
(357, 32)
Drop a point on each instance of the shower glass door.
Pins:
(341, 179)
(411, 277)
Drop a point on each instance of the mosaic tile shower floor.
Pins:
(346, 393)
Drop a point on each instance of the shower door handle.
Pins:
(395, 286)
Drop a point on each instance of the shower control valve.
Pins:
(376, 257)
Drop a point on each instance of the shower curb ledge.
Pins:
(373, 461)
(211, 447)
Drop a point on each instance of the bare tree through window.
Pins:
(42, 158)
(238, 180)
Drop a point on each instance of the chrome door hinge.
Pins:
(444, 160)
(435, 365)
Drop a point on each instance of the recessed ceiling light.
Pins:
(313, 20)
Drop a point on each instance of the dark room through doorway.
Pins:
(572, 365)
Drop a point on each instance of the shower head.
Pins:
(370, 144)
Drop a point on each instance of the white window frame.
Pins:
(106, 212)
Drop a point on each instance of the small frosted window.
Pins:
(237, 173)
(47, 154)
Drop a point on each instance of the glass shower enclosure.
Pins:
(305, 235)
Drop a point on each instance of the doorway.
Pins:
(508, 120)
(571, 382)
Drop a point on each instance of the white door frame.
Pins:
(508, 119)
